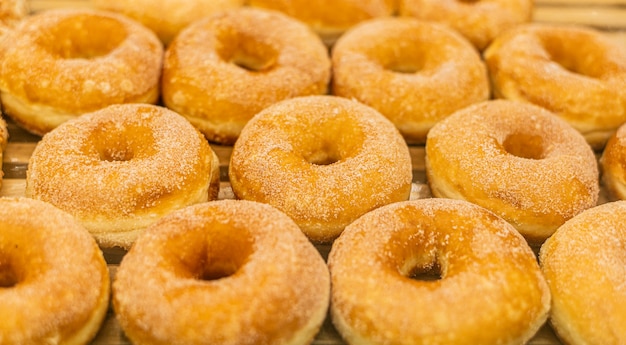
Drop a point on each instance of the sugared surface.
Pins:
(223, 272)
(584, 263)
(488, 288)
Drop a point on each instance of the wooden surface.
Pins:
(608, 15)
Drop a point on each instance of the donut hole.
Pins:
(83, 37)
(411, 61)
(326, 154)
(9, 276)
(246, 52)
(571, 56)
(428, 272)
(524, 146)
(225, 252)
(113, 144)
(331, 142)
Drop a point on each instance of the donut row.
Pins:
(221, 70)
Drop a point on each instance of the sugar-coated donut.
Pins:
(222, 70)
(11, 13)
(54, 282)
(323, 160)
(613, 165)
(479, 21)
(434, 73)
(166, 17)
(516, 159)
(576, 72)
(60, 64)
(330, 18)
(4, 136)
(585, 267)
(223, 272)
(485, 286)
(119, 169)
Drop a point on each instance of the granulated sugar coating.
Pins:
(121, 168)
(584, 263)
(517, 160)
(323, 160)
(489, 278)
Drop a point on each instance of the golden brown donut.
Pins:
(54, 282)
(119, 169)
(224, 272)
(585, 267)
(11, 13)
(60, 64)
(575, 72)
(434, 73)
(166, 17)
(485, 285)
(479, 21)
(613, 165)
(518, 160)
(330, 18)
(4, 137)
(221, 71)
(323, 160)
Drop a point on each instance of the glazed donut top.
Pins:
(53, 54)
(576, 72)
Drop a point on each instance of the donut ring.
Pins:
(330, 18)
(119, 169)
(11, 13)
(323, 160)
(517, 160)
(166, 17)
(93, 59)
(613, 164)
(489, 277)
(221, 71)
(584, 265)
(575, 72)
(434, 74)
(54, 282)
(478, 21)
(250, 274)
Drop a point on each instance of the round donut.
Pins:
(323, 160)
(224, 272)
(54, 282)
(60, 64)
(435, 271)
(435, 73)
(11, 13)
(478, 21)
(4, 137)
(517, 160)
(585, 267)
(330, 18)
(166, 17)
(613, 165)
(576, 72)
(119, 169)
(220, 71)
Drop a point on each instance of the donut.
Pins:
(584, 265)
(11, 13)
(219, 72)
(322, 160)
(60, 64)
(222, 272)
(478, 21)
(613, 165)
(121, 168)
(415, 73)
(166, 17)
(4, 136)
(516, 159)
(54, 282)
(576, 72)
(435, 271)
(329, 18)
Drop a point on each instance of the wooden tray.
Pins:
(608, 15)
